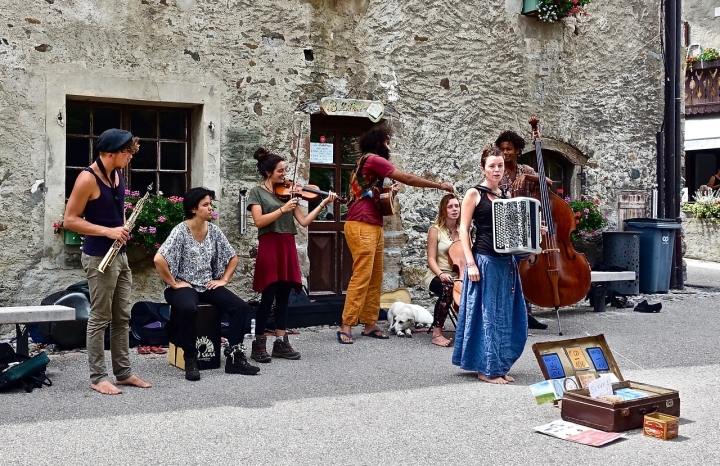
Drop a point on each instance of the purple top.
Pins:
(104, 211)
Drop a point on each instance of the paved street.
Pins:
(376, 402)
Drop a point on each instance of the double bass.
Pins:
(559, 275)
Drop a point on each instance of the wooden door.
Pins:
(330, 258)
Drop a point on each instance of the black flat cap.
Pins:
(112, 140)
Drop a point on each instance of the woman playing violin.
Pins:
(277, 268)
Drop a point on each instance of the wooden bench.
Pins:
(599, 282)
(30, 314)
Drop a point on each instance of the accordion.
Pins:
(516, 225)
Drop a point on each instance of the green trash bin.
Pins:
(657, 241)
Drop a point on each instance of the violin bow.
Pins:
(296, 152)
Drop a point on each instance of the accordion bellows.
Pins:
(516, 225)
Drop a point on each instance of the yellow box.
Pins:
(175, 357)
(662, 426)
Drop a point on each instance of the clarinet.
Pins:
(130, 224)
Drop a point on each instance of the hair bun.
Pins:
(260, 154)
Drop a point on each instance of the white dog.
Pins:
(403, 317)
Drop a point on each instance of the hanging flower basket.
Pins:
(530, 8)
(555, 10)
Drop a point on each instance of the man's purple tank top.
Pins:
(104, 211)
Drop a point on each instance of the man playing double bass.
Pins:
(518, 180)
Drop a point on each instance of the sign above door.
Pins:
(371, 109)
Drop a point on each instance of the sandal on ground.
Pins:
(377, 333)
(143, 350)
(157, 350)
(340, 340)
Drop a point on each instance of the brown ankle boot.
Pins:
(282, 349)
(259, 351)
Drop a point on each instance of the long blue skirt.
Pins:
(492, 321)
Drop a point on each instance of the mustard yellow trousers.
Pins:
(362, 301)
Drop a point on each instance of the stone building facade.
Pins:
(451, 77)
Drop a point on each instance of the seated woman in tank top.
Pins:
(440, 277)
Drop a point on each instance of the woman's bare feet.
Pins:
(106, 388)
(509, 378)
(440, 340)
(493, 380)
(136, 381)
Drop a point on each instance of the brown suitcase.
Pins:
(591, 355)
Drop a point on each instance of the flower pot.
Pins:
(530, 7)
(72, 238)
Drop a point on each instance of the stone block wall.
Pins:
(452, 75)
(701, 238)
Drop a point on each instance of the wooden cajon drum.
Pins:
(207, 340)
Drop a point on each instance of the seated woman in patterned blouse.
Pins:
(196, 262)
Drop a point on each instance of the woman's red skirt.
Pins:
(277, 260)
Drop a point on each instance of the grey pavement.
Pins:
(376, 402)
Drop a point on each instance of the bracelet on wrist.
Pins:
(468, 266)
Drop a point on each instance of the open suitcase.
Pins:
(588, 358)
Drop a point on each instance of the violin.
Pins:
(308, 192)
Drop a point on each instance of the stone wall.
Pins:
(704, 25)
(702, 238)
(451, 74)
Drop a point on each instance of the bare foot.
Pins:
(135, 381)
(106, 388)
(509, 378)
(440, 340)
(493, 380)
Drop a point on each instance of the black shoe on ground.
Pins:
(237, 363)
(535, 324)
(282, 349)
(191, 369)
(259, 350)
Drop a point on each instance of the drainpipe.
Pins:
(660, 202)
(672, 161)
(679, 280)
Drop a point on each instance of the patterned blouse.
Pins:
(527, 187)
(193, 262)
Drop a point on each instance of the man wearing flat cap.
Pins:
(96, 210)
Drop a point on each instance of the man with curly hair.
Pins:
(518, 180)
(96, 210)
(364, 232)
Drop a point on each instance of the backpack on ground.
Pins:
(20, 371)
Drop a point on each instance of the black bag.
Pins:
(147, 324)
(21, 371)
(69, 334)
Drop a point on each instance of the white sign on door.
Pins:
(321, 152)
